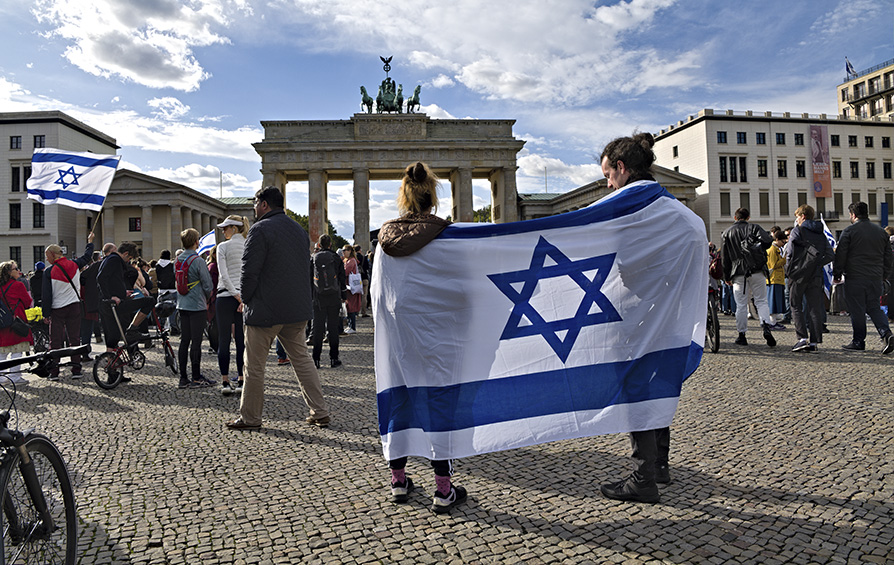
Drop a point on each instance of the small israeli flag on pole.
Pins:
(207, 242)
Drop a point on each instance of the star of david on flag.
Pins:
(552, 331)
(497, 336)
(78, 180)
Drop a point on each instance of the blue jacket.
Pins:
(197, 298)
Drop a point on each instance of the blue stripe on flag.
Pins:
(73, 159)
(478, 403)
(635, 199)
(69, 195)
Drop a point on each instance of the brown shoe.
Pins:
(239, 424)
(318, 422)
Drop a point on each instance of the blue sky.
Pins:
(184, 85)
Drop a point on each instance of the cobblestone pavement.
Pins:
(776, 457)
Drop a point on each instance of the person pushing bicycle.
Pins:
(112, 287)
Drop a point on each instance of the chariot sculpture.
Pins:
(390, 97)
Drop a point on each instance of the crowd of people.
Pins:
(780, 277)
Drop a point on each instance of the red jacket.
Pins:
(17, 297)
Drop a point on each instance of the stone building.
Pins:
(762, 161)
(868, 93)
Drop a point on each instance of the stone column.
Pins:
(206, 224)
(146, 230)
(504, 196)
(318, 206)
(461, 190)
(274, 178)
(176, 228)
(361, 208)
(108, 226)
(196, 221)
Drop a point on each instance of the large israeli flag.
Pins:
(78, 180)
(494, 337)
(827, 268)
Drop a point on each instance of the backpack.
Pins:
(6, 314)
(181, 276)
(325, 274)
(804, 262)
(754, 254)
(715, 268)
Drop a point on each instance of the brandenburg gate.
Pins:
(372, 147)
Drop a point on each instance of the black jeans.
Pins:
(229, 323)
(192, 323)
(442, 467)
(863, 299)
(650, 449)
(126, 310)
(809, 323)
(326, 316)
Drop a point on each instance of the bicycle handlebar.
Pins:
(54, 354)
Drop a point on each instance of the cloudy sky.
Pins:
(184, 84)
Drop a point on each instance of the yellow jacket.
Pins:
(776, 264)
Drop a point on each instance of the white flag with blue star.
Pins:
(497, 336)
(207, 242)
(78, 180)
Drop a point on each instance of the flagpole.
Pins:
(96, 221)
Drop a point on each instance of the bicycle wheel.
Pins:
(712, 329)
(170, 358)
(108, 370)
(25, 536)
(41, 337)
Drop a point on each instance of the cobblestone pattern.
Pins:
(776, 457)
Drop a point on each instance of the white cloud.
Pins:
(843, 19)
(442, 81)
(168, 108)
(538, 166)
(149, 42)
(205, 178)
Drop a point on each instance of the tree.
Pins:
(337, 240)
(482, 215)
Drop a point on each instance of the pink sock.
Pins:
(442, 484)
(398, 476)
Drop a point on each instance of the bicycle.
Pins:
(108, 370)
(712, 328)
(39, 329)
(39, 518)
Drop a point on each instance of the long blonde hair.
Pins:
(418, 190)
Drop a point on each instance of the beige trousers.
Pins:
(257, 347)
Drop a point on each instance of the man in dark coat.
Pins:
(809, 281)
(864, 256)
(276, 280)
(327, 301)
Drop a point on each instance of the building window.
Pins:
(855, 169)
(800, 169)
(15, 215)
(886, 142)
(855, 197)
(26, 171)
(760, 138)
(676, 169)
(820, 206)
(15, 254)
(802, 198)
(889, 199)
(745, 200)
(15, 142)
(836, 169)
(764, 203)
(886, 172)
(723, 169)
(134, 224)
(39, 215)
(676, 151)
(782, 168)
(721, 137)
(839, 203)
(742, 169)
(835, 141)
(725, 210)
(870, 170)
(38, 252)
(16, 180)
(733, 177)
(799, 139)
(872, 204)
(762, 168)
(741, 138)
(783, 204)
(867, 141)
(780, 139)
(40, 141)
(852, 141)
(844, 94)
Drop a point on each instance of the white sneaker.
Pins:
(226, 389)
(802, 345)
(350, 331)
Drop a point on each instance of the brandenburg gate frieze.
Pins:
(372, 147)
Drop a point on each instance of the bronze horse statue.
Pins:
(413, 101)
(367, 100)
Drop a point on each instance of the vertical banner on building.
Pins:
(819, 151)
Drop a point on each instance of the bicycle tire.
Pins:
(104, 378)
(713, 326)
(23, 539)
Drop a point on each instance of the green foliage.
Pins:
(337, 240)
(482, 215)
